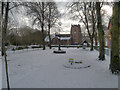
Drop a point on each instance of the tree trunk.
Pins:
(49, 24)
(43, 36)
(96, 42)
(100, 33)
(4, 29)
(114, 64)
(49, 40)
(2, 11)
(91, 47)
(91, 36)
(93, 26)
(101, 45)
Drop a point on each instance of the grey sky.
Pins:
(62, 0)
(66, 21)
(65, 18)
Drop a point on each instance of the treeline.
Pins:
(24, 36)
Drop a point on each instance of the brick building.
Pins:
(74, 38)
(63, 39)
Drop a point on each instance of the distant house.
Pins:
(86, 43)
(63, 39)
(47, 38)
(74, 38)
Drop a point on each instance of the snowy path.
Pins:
(44, 69)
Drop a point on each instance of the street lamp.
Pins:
(59, 44)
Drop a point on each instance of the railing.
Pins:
(67, 46)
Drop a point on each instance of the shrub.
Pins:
(67, 46)
(96, 47)
(26, 47)
(40, 46)
(13, 49)
(19, 48)
(36, 46)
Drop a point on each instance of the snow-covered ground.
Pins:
(44, 69)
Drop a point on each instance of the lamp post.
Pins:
(59, 44)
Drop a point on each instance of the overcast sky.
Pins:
(67, 22)
(65, 18)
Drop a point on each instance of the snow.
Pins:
(44, 69)
(53, 36)
(47, 37)
(64, 38)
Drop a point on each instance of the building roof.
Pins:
(63, 35)
(47, 38)
(59, 36)
(64, 38)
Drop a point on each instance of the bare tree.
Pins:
(45, 15)
(85, 12)
(100, 31)
(38, 10)
(115, 34)
(93, 20)
(5, 7)
(52, 17)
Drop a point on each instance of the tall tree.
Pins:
(42, 24)
(85, 12)
(100, 32)
(96, 38)
(2, 12)
(115, 29)
(4, 29)
(5, 8)
(51, 18)
(38, 10)
(93, 18)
